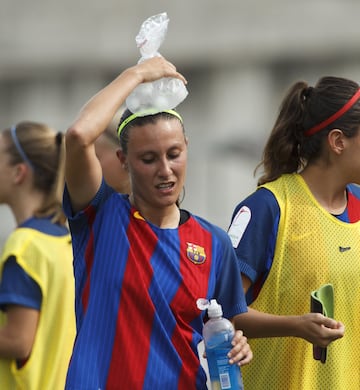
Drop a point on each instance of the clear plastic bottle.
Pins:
(218, 333)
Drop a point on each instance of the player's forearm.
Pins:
(257, 324)
(12, 347)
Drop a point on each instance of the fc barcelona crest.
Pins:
(195, 253)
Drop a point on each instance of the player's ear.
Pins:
(337, 140)
(122, 158)
(20, 172)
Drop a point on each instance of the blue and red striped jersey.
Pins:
(136, 291)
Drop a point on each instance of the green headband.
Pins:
(131, 117)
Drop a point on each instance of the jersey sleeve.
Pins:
(18, 288)
(229, 290)
(253, 232)
(352, 212)
(101, 196)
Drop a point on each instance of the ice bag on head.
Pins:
(151, 35)
(159, 95)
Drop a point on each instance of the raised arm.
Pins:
(83, 170)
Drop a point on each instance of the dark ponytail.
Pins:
(281, 152)
(290, 147)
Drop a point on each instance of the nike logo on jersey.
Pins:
(344, 248)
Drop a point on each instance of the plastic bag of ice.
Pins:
(159, 95)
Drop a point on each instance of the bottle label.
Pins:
(225, 382)
(223, 373)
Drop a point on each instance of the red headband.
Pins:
(333, 117)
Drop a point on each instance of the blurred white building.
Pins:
(239, 58)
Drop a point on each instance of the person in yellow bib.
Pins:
(298, 231)
(37, 314)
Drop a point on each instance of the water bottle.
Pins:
(218, 333)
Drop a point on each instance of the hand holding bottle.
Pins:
(223, 348)
(241, 352)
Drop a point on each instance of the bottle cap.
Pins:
(214, 309)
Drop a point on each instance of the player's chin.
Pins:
(166, 200)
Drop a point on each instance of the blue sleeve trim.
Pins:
(19, 300)
(18, 288)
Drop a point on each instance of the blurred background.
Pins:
(239, 57)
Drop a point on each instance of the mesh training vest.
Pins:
(48, 260)
(313, 248)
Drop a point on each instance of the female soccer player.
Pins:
(299, 231)
(141, 262)
(37, 316)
